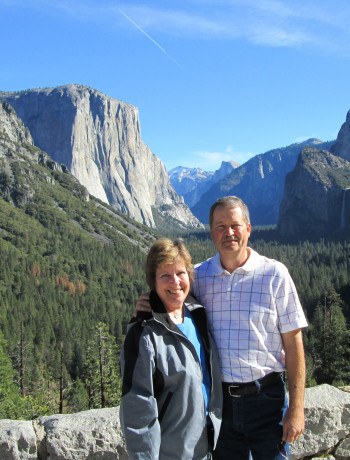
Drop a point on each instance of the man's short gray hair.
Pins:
(231, 202)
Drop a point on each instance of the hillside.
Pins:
(68, 263)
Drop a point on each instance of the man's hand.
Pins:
(142, 304)
(293, 424)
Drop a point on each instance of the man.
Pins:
(256, 319)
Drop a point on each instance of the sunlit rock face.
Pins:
(98, 138)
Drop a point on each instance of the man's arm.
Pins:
(294, 422)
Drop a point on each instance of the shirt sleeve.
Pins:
(138, 409)
(290, 312)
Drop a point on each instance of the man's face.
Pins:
(229, 231)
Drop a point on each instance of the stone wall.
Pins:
(96, 434)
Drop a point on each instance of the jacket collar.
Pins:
(159, 311)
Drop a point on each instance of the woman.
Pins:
(171, 403)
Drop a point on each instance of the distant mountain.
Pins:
(259, 182)
(98, 138)
(185, 180)
(192, 183)
(316, 201)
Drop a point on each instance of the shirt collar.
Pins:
(249, 265)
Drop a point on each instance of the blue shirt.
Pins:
(189, 329)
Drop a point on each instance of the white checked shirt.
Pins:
(248, 310)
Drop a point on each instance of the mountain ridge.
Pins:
(259, 182)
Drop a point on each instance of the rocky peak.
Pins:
(342, 144)
(225, 168)
(98, 138)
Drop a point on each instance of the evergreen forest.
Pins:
(72, 268)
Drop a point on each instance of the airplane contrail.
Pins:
(150, 38)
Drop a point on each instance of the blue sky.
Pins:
(213, 79)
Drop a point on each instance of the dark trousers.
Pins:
(252, 425)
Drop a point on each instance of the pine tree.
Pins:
(101, 369)
(10, 401)
(329, 340)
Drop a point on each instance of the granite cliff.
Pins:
(316, 201)
(27, 174)
(98, 138)
(341, 147)
(17, 151)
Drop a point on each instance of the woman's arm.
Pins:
(138, 409)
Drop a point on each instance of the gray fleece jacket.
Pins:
(162, 412)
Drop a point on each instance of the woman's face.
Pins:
(172, 284)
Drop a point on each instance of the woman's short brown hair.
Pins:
(167, 251)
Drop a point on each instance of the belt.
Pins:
(244, 389)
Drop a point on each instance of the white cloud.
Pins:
(261, 22)
(292, 23)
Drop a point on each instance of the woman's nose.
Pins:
(175, 279)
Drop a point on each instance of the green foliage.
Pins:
(329, 340)
(78, 398)
(102, 369)
(9, 396)
(67, 263)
